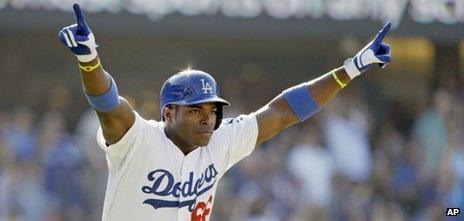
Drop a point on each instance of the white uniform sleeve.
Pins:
(120, 153)
(239, 136)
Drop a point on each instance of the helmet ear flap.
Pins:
(219, 115)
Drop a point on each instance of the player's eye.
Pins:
(195, 111)
(214, 112)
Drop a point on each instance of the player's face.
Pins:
(195, 123)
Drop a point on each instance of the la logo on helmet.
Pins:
(206, 87)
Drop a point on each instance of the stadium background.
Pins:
(388, 147)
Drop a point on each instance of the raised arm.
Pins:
(299, 102)
(114, 112)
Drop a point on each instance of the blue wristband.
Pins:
(300, 101)
(107, 101)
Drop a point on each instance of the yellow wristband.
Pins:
(342, 85)
(90, 68)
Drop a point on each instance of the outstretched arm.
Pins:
(114, 112)
(298, 103)
(278, 115)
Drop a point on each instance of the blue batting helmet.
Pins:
(191, 87)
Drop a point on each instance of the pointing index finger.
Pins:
(382, 33)
(79, 16)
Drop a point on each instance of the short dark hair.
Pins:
(172, 106)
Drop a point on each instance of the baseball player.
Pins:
(169, 170)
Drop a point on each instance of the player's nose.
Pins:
(207, 119)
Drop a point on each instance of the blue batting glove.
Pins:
(375, 52)
(79, 38)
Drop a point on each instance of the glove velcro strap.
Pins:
(350, 68)
(87, 57)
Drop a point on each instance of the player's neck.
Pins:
(180, 143)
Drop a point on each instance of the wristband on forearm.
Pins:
(300, 101)
(90, 68)
(335, 77)
(107, 101)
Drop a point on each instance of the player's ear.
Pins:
(168, 112)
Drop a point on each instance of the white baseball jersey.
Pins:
(151, 179)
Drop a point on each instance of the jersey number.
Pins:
(202, 210)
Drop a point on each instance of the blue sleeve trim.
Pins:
(107, 101)
(301, 102)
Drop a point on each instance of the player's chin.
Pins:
(202, 139)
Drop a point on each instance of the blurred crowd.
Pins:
(354, 160)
